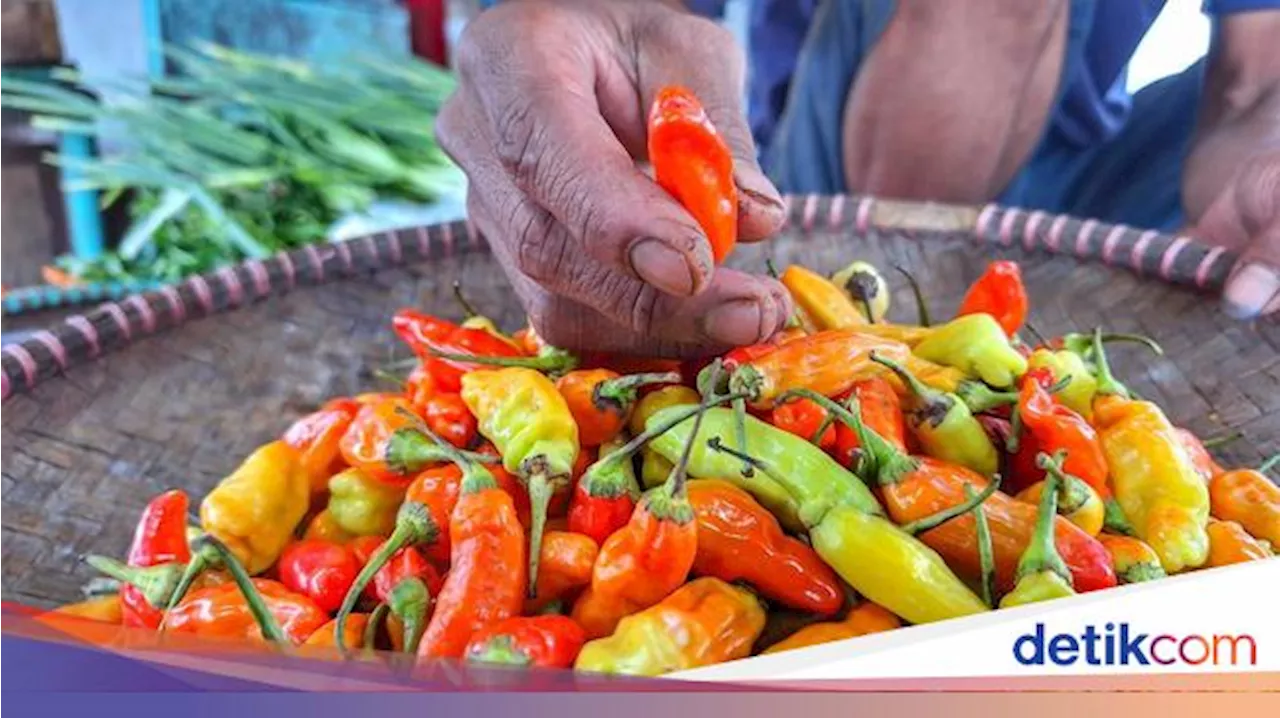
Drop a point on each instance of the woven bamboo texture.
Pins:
(172, 388)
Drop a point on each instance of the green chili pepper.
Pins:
(363, 506)
(976, 345)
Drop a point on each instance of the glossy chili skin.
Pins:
(1249, 498)
(863, 619)
(404, 563)
(384, 443)
(881, 412)
(805, 419)
(222, 612)
(160, 537)
(321, 570)
(426, 335)
(1229, 543)
(532, 641)
(1054, 428)
(316, 436)
(1000, 293)
(828, 363)
(449, 418)
(567, 562)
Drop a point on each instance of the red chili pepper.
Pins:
(426, 335)
(321, 570)
(533, 641)
(161, 537)
(603, 499)
(1053, 428)
(693, 164)
(448, 416)
(881, 412)
(805, 419)
(316, 436)
(405, 563)
(1000, 293)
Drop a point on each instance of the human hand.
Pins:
(1245, 218)
(548, 121)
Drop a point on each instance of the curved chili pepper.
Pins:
(806, 420)
(256, 509)
(703, 622)
(1042, 574)
(821, 299)
(1229, 543)
(976, 345)
(826, 362)
(863, 283)
(160, 538)
(738, 539)
(486, 579)
(863, 619)
(1057, 428)
(427, 336)
(1133, 559)
(694, 165)
(1249, 498)
(316, 437)
(1000, 293)
(224, 612)
(602, 400)
(531, 641)
(448, 416)
(320, 570)
(362, 506)
(528, 420)
(881, 412)
(385, 442)
(567, 562)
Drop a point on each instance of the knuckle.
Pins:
(516, 135)
(541, 253)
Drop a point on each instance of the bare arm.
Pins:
(953, 98)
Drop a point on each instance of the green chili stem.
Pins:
(979, 397)
(454, 454)
(887, 463)
(100, 586)
(1114, 520)
(1068, 501)
(379, 614)
(1041, 553)
(830, 419)
(986, 553)
(926, 395)
(155, 582)
(200, 560)
(1035, 334)
(552, 362)
(638, 441)
(384, 375)
(621, 391)
(680, 472)
(257, 606)
(1107, 382)
(771, 268)
(1082, 344)
(1214, 442)
(715, 444)
(540, 491)
(409, 601)
(922, 307)
(468, 311)
(866, 309)
(934, 520)
(740, 432)
(1269, 464)
(1015, 431)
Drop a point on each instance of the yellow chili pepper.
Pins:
(824, 302)
(1229, 543)
(655, 401)
(527, 419)
(1155, 483)
(1077, 503)
(976, 345)
(654, 468)
(255, 510)
(704, 622)
(1078, 393)
(864, 619)
(863, 283)
(105, 609)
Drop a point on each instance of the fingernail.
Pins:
(755, 185)
(663, 267)
(1249, 291)
(736, 323)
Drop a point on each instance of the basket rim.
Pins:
(1152, 255)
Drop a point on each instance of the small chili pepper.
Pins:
(1154, 482)
(426, 335)
(976, 345)
(223, 611)
(1249, 498)
(866, 286)
(1042, 574)
(407, 562)
(409, 604)
(1054, 428)
(323, 637)
(386, 443)
(421, 385)
(144, 591)
(863, 619)
(999, 292)
(944, 426)
(1077, 501)
(256, 509)
(160, 538)
(657, 400)
(806, 420)
(1134, 560)
(104, 609)
(693, 164)
(824, 362)
(1229, 543)
(320, 570)
(601, 400)
(528, 420)
(531, 641)
(487, 576)
(881, 412)
(324, 527)
(448, 416)
(704, 622)
(1081, 385)
(567, 562)
(604, 497)
(316, 437)
(363, 506)
(738, 539)
(917, 488)
(822, 300)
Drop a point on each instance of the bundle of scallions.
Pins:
(239, 156)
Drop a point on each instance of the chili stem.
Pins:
(1269, 464)
(886, 462)
(922, 307)
(467, 310)
(409, 601)
(1082, 344)
(1035, 334)
(1222, 439)
(934, 520)
(1015, 432)
(200, 560)
(680, 472)
(986, 553)
(621, 391)
(379, 614)
(771, 268)
(827, 421)
(266, 620)
(540, 490)
(547, 363)
(456, 455)
(1107, 382)
(639, 440)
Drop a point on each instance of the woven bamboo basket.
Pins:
(172, 388)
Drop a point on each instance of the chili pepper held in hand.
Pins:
(704, 622)
(806, 420)
(320, 570)
(601, 400)
(863, 283)
(976, 345)
(528, 420)
(1229, 543)
(160, 538)
(822, 300)
(486, 582)
(1249, 498)
(881, 412)
(530, 641)
(824, 362)
(255, 510)
(362, 506)
(738, 539)
(1042, 574)
(1133, 559)
(1152, 478)
(567, 562)
(427, 335)
(944, 426)
(316, 437)
(692, 162)
(917, 488)
(998, 292)
(863, 619)
(604, 497)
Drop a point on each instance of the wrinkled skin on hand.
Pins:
(1246, 219)
(549, 121)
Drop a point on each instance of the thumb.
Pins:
(1246, 219)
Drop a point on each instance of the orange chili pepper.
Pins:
(106, 609)
(353, 635)
(601, 400)
(567, 561)
(881, 412)
(486, 581)
(1229, 543)
(865, 618)
(316, 436)
(827, 363)
(1247, 497)
(1133, 559)
(385, 444)
(738, 539)
(1053, 428)
(1000, 293)
(223, 612)
(323, 527)
(694, 165)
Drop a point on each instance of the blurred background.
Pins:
(145, 140)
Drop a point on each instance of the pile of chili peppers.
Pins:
(513, 504)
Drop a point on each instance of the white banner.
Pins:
(1225, 619)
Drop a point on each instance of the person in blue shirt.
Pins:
(967, 101)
